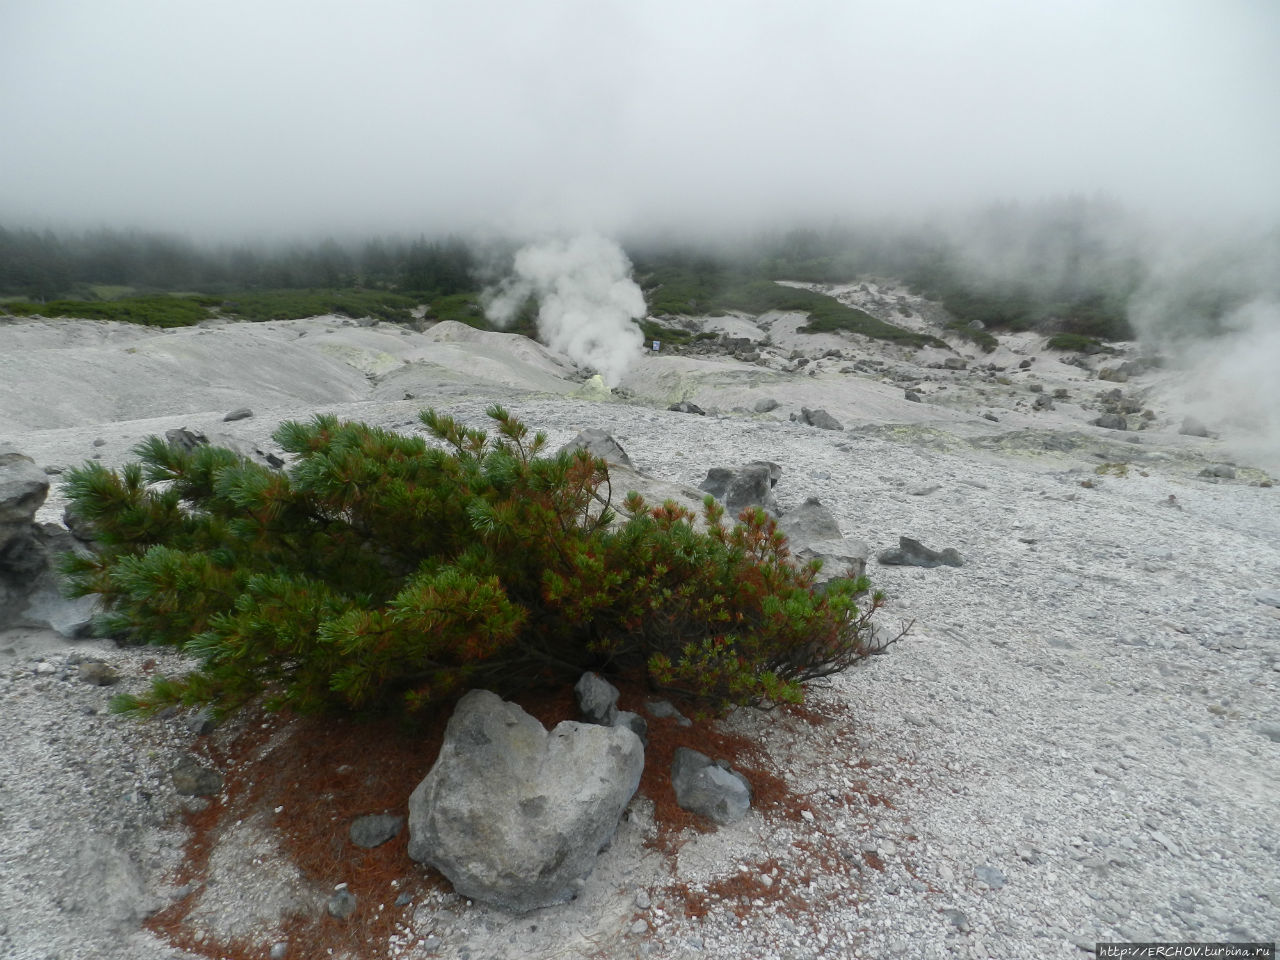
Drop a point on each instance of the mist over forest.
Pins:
(1088, 169)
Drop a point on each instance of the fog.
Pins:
(284, 119)
(1130, 145)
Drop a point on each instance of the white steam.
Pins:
(1230, 383)
(586, 301)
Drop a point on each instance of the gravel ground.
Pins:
(1076, 742)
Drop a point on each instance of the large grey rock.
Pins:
(913, 553)
(765, 405)
(23, 488)
(749, 486)
(599, 443)
(185, 439)
(709, 789)
(30, 587)
(814, 533)
(513, 815)
(597, 699)
(1112, 421)
(846, 557)
(810, 521)
(820, 419)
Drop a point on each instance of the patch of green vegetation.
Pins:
(1076, 342)
(462, 307)
(258, 305)
(826, 314)
(986, 341)
(1112, 469)
(676, 290)
(160, 310)
(653, 330)
(385, 573)
(673, 289)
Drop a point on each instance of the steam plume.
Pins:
(586, 301)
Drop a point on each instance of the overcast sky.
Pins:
(231, 118)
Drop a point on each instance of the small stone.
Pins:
(639, 927)
(597, 699)
(1223, 470)
(765, 405)
(279, 950)
(957, 917)
(992, 417)
(635, 723)
(913, 396)
(642, 900)
(375, 829)
(99, 442)
(925, 489)
(664, 709)
(202, 722)
(342, 904)
(190, 779)
(404, 899)
(240, 413)
(97, 673)
(989, 875)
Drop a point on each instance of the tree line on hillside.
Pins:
(1072, 267)
(44, 265)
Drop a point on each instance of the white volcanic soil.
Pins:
(1070, 746)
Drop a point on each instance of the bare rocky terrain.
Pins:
(1078, 741)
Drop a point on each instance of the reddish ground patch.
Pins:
(327, 771)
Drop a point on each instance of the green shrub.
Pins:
(652, 330)
(986, 341)
(826, 314)
(161, 310)
(383, 571)
(259, 305)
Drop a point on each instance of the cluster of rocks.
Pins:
(1118, 408)
(516, 815)
(30, 593)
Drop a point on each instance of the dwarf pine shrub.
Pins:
(389, 571)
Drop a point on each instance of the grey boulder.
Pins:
(597, 699)
(820, 419)
(913, 553)
(709, 789)
(749, 486)
(599, 443)
(810, 521)
(684, 406)
(813, 533)
(514, 815)
(30, 588)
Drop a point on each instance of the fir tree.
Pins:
(383, 570)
